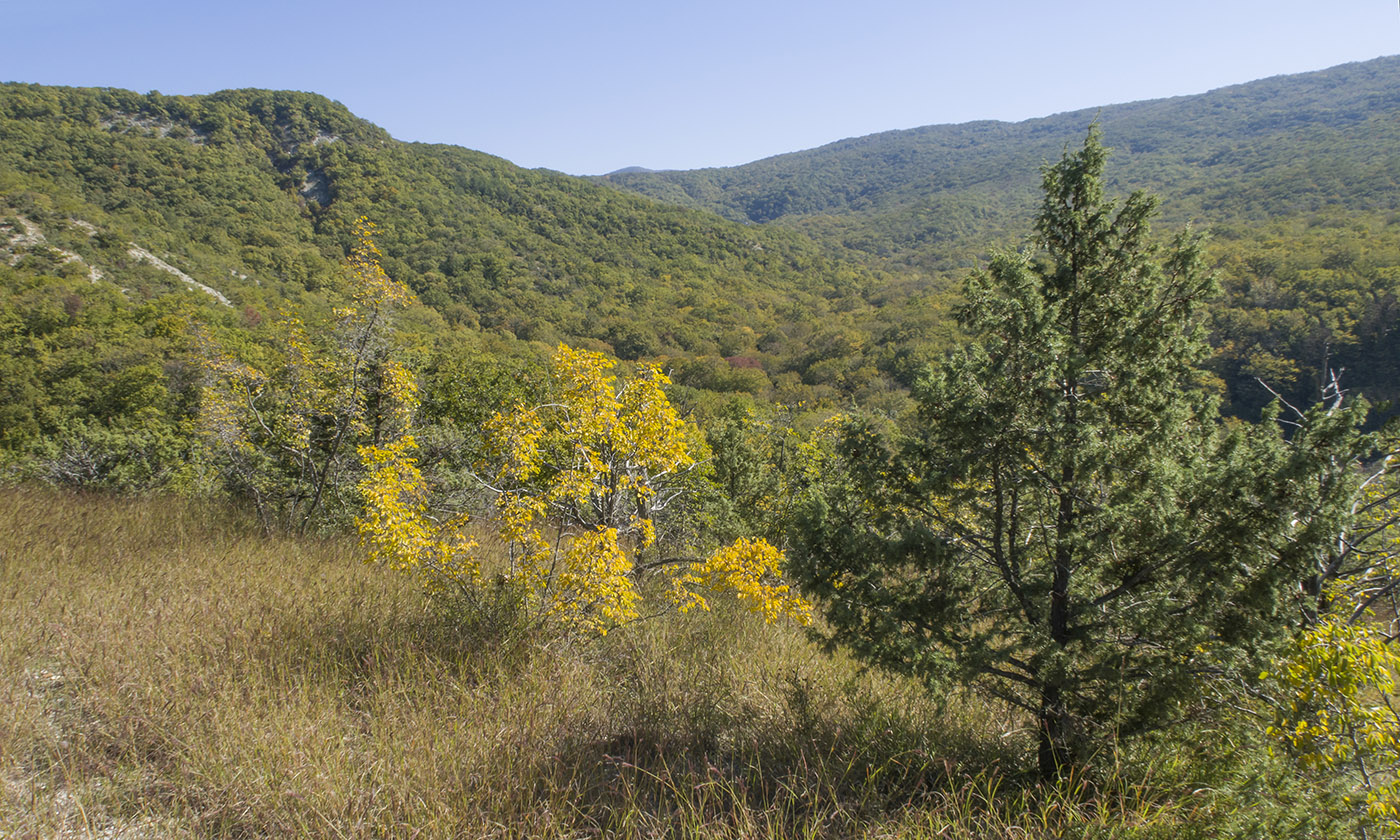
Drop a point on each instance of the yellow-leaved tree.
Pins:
(580, 492)
(1334, 690)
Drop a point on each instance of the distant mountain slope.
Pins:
(939, 194)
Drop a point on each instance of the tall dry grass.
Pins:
(166, 671)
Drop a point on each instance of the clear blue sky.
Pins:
(589, 87)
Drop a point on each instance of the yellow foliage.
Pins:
(595, 589)
(578, 487)
(1335, 707)
(752, 570)
(1337, 712)
(395, 526)
(600, 459)
(373, 290)
(398, 389)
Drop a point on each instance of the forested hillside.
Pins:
(126, 220)
(266, 184)
(940, 194)
(1295, 178)
(830, 281)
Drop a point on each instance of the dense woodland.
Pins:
(816, 388)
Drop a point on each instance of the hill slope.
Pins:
(124, 216)
(244, 188)
(134, 227)
(937, 195)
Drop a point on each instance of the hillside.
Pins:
(791, 540)
(126, 218)
(939, 195)
(135, 229)
(245, 188)
(1295, 178)
(247, 201)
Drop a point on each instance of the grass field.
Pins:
(168, 671)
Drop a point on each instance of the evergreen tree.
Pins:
(1073, 527)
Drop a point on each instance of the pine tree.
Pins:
(1072, 526)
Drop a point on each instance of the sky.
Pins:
(589, 87)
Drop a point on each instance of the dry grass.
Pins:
(165, 671)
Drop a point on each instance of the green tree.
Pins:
(285, 435)
(1072, 527)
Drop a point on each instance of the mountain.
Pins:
(938, 196)
(246, 191)
(134, 227)
(137, 229)
(1296, 178)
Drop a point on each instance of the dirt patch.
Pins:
(146, 256)
(16, 240)
(146, 126)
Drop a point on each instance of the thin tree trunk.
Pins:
(1053, 755)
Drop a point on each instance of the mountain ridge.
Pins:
(1203, 152)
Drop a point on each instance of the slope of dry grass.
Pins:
(166, 671)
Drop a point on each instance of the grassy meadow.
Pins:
(167, 671)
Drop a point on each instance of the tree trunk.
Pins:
(1053, 754)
